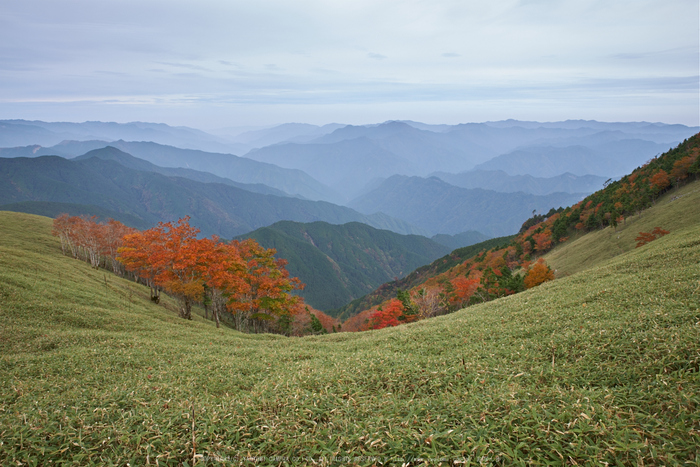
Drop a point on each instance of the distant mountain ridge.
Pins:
(24, 132)
(239, 169)
(366, 152)
(498, 180)
(131, 162)
(214, 208)
(335, 162)
(611, 159)
(434, 205)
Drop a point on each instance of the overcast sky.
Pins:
(227, 63)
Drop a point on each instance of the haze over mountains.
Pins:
(459, 184)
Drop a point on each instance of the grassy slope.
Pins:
(602, 366)
(678, 209)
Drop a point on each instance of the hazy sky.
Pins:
(212, 64)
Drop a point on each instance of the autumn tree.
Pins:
(170, 256)
(428, 301)
(659, 181)
(538, 274)
(462, 290)
(388, 315)
(268, 288)
(645, 237)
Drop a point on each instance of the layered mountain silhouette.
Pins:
(215, 208)
(436, 206)
(498, 180)
(239, 169)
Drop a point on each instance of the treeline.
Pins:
(86, 239)
(512, 268)
(239, 278)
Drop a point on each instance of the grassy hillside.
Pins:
(339, 263)
(599, 367)
(677, 209)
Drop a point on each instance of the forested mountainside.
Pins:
(339, 263)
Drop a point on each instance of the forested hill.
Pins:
(388, 290)
(339, 263)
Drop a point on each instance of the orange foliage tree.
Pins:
(543, 240)
(94, 242)
(538, 274)
(659, 181)
(240, 277)
(267, 290)
(463, 289)
(171, 256)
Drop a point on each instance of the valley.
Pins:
(499, 369)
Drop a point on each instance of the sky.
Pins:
(234, 64)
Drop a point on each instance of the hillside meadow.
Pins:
(677, 209)
(601, 367)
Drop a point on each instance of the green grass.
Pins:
(676, 210)
(598, 367)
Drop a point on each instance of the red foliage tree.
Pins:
(388, 316)
(543, 240)
(645, 237)
(463, 289)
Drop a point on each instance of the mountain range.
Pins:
(239, 169)
(438, 207)
(459, 184)
(498, 180)
(215, 208)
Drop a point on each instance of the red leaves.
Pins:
(464, 288)
(645, 237)
(543, 240)
(388, 316)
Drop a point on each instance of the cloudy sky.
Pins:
(230, 63)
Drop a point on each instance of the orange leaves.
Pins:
(543, 240)
(645, 237)
(168, 256)
(660, 180)
(681, 167)
(249, 278)
(89, 240)
(538, 274)
(464, 288)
